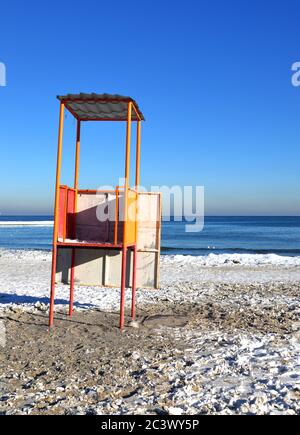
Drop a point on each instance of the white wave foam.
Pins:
(11, 224)
(234, 259)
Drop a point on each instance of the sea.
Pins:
(220, 235)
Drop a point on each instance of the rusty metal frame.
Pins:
(125, 245)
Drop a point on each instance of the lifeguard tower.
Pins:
(123, 249)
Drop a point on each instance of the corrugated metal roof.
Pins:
(89, 107)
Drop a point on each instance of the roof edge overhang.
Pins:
(70, 99)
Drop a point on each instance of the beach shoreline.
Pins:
(217, 338)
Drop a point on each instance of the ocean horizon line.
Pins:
(171, 216)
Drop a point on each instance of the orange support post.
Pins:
(116, 216)
(127, 168)
(137, 183)
(137, 176)
(77, 155)
(124, 250)
(138, 155)
(55, 229)
(76, 178)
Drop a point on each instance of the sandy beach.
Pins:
(222, 336)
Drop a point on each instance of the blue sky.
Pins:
(212, 78)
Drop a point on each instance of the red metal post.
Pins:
(123, 284)
(52, 295)
(72, 283)
(133, 304)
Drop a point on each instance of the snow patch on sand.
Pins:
(213, 260)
